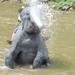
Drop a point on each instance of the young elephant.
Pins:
(28, 46)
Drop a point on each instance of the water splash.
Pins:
(4, 67)
(47, 15)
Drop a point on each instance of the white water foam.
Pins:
(4, 67)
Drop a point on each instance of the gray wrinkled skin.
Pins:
(28, 46)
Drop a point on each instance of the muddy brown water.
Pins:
(61, 45)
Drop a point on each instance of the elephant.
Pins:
(28, 46)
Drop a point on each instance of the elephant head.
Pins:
(32, 19)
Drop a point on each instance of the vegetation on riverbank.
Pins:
(19, 1)
(58, 4)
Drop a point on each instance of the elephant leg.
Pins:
(9, 61)
(47, 62)
(42, 54)
(40, 61)
(37, 62)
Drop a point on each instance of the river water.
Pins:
(61, 45)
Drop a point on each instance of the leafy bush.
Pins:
(64, 3)
(61, 3)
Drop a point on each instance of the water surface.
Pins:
(61, 45)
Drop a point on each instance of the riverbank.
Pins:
(63, 5)
(18, 2)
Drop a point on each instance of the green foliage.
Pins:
(61, 3)
(64, 3)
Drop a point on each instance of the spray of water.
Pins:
(47, 15)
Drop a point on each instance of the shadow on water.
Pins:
(61, 45)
